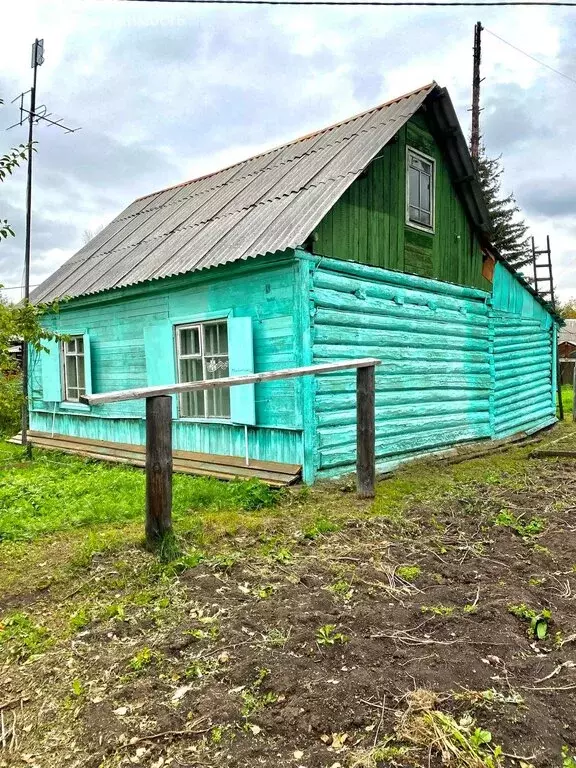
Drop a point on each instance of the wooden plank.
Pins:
(136, 448)
(274, 474)
(228, 381)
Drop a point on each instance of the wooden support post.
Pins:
(573, 392)
(365, 432)
(158, 468)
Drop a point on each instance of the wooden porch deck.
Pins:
(273, 473)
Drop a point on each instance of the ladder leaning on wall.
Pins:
(544, 287)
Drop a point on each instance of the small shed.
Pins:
(369, 238)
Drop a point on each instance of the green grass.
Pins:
(567, 399)
(57, 492)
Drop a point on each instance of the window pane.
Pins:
(425, 192)
(215, 339)
(71, 346)
(192, 404)
(191, 369)
(425, 218)
(216, 367)
(80, 345)
(218, 403)
(71, 377)
(189, 341)
(413, 187)
(81, 381)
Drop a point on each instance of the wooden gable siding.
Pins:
(265, 291)
(368, 223)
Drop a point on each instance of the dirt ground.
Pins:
(443, 634)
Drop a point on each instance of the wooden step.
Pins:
(273, 473)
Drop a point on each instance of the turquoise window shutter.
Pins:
(159, 353)
(51, 376)
(241, 363)
(87, 364)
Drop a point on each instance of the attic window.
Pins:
(419, 190)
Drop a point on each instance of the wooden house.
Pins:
(367, 238)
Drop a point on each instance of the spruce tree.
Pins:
(509, 234)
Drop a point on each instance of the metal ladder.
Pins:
(543, 277)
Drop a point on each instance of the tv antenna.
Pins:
(34, 115)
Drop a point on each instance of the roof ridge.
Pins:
(251, 175)
(293, 141)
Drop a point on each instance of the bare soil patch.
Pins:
(392, 640)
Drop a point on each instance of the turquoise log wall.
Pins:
(524, 358)
(440, 346)
(458, 363)
(264, 290)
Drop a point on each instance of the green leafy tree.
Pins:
(509, 233)
(8, 163)
(567, 309)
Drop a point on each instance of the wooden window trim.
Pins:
(414, 224)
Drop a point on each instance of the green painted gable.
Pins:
(368, 224)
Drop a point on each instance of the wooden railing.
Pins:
(159, 430)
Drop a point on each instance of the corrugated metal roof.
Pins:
(265, 204)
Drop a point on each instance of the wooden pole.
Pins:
(475, 128)
(573, 392)
(365, 432)
(158, 468)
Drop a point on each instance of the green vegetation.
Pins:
(409, 573)
(21, 637)
(57, 492)
(320, 527)
(567, 401)
(327, 635)
(253, 699)
(539, 621)
(568, 760)
(508, 519)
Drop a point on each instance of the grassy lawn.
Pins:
(567, 401)
(435, 625)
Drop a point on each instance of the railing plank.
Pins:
(229, 381)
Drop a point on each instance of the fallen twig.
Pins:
(165, 734)
(555, 671)
(11, 702)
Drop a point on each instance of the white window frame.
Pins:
(64, 366)
(200, 325)
(416, 224)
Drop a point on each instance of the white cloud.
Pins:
(165, 92)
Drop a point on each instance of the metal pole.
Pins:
(475, 128)
(25, 373)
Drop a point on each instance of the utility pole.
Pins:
(37, 60)
(34, 115)
(475, 130)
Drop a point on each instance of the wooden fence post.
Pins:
(158, 468)
(365, 432)
(573, 392)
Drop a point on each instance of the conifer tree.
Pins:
(509, 233)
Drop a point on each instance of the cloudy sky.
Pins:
(165, 92)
